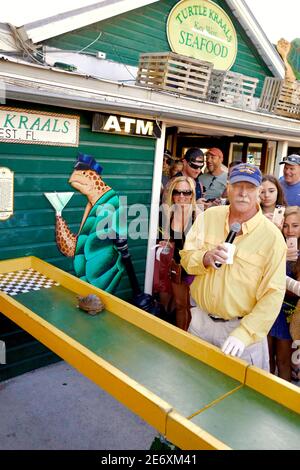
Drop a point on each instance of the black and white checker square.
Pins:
(25, 280)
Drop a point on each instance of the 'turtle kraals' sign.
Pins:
(125, 125)
(204, 31)
(23, 126)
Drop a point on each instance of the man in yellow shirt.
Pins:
(236, 303)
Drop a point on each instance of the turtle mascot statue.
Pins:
(100, 249)
(97, 259)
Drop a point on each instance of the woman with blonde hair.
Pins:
(279, 338)
(178, 215)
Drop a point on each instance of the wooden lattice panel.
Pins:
(234, 89)
(281, 97)
(174, 73)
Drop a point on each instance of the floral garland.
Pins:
(289, 312)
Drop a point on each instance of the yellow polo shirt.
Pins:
(252, 287)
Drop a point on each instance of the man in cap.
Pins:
(236, 303)
(290, 181)
(193, 162)
(214, 182)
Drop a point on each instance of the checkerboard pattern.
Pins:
(26, 280)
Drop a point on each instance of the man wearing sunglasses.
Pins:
(290, 181)
(193, 164)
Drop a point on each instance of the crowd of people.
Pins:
(241, 296)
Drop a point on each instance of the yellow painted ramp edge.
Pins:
(273, 387)
(185, 342)
(188, 436)
(126, 390)
(155, 411)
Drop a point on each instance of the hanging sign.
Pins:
(22, 126)
(204, 31)
(125, 125)
(6, 193)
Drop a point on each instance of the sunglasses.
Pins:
(294, 159)
(196, 167)
(177, 192)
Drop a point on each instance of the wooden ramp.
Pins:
(187, 389)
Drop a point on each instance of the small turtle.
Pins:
(90, 304)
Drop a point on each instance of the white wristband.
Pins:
(293, 286)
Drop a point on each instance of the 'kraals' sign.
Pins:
(204, 31)
(23, 126)
(115, 124)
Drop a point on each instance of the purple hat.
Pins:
(245, 172)
(87, 162)
(293, 159)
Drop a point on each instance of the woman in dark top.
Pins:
(179, 212)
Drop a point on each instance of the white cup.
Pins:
(231, 250)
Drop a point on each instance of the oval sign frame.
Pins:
(202, 30)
